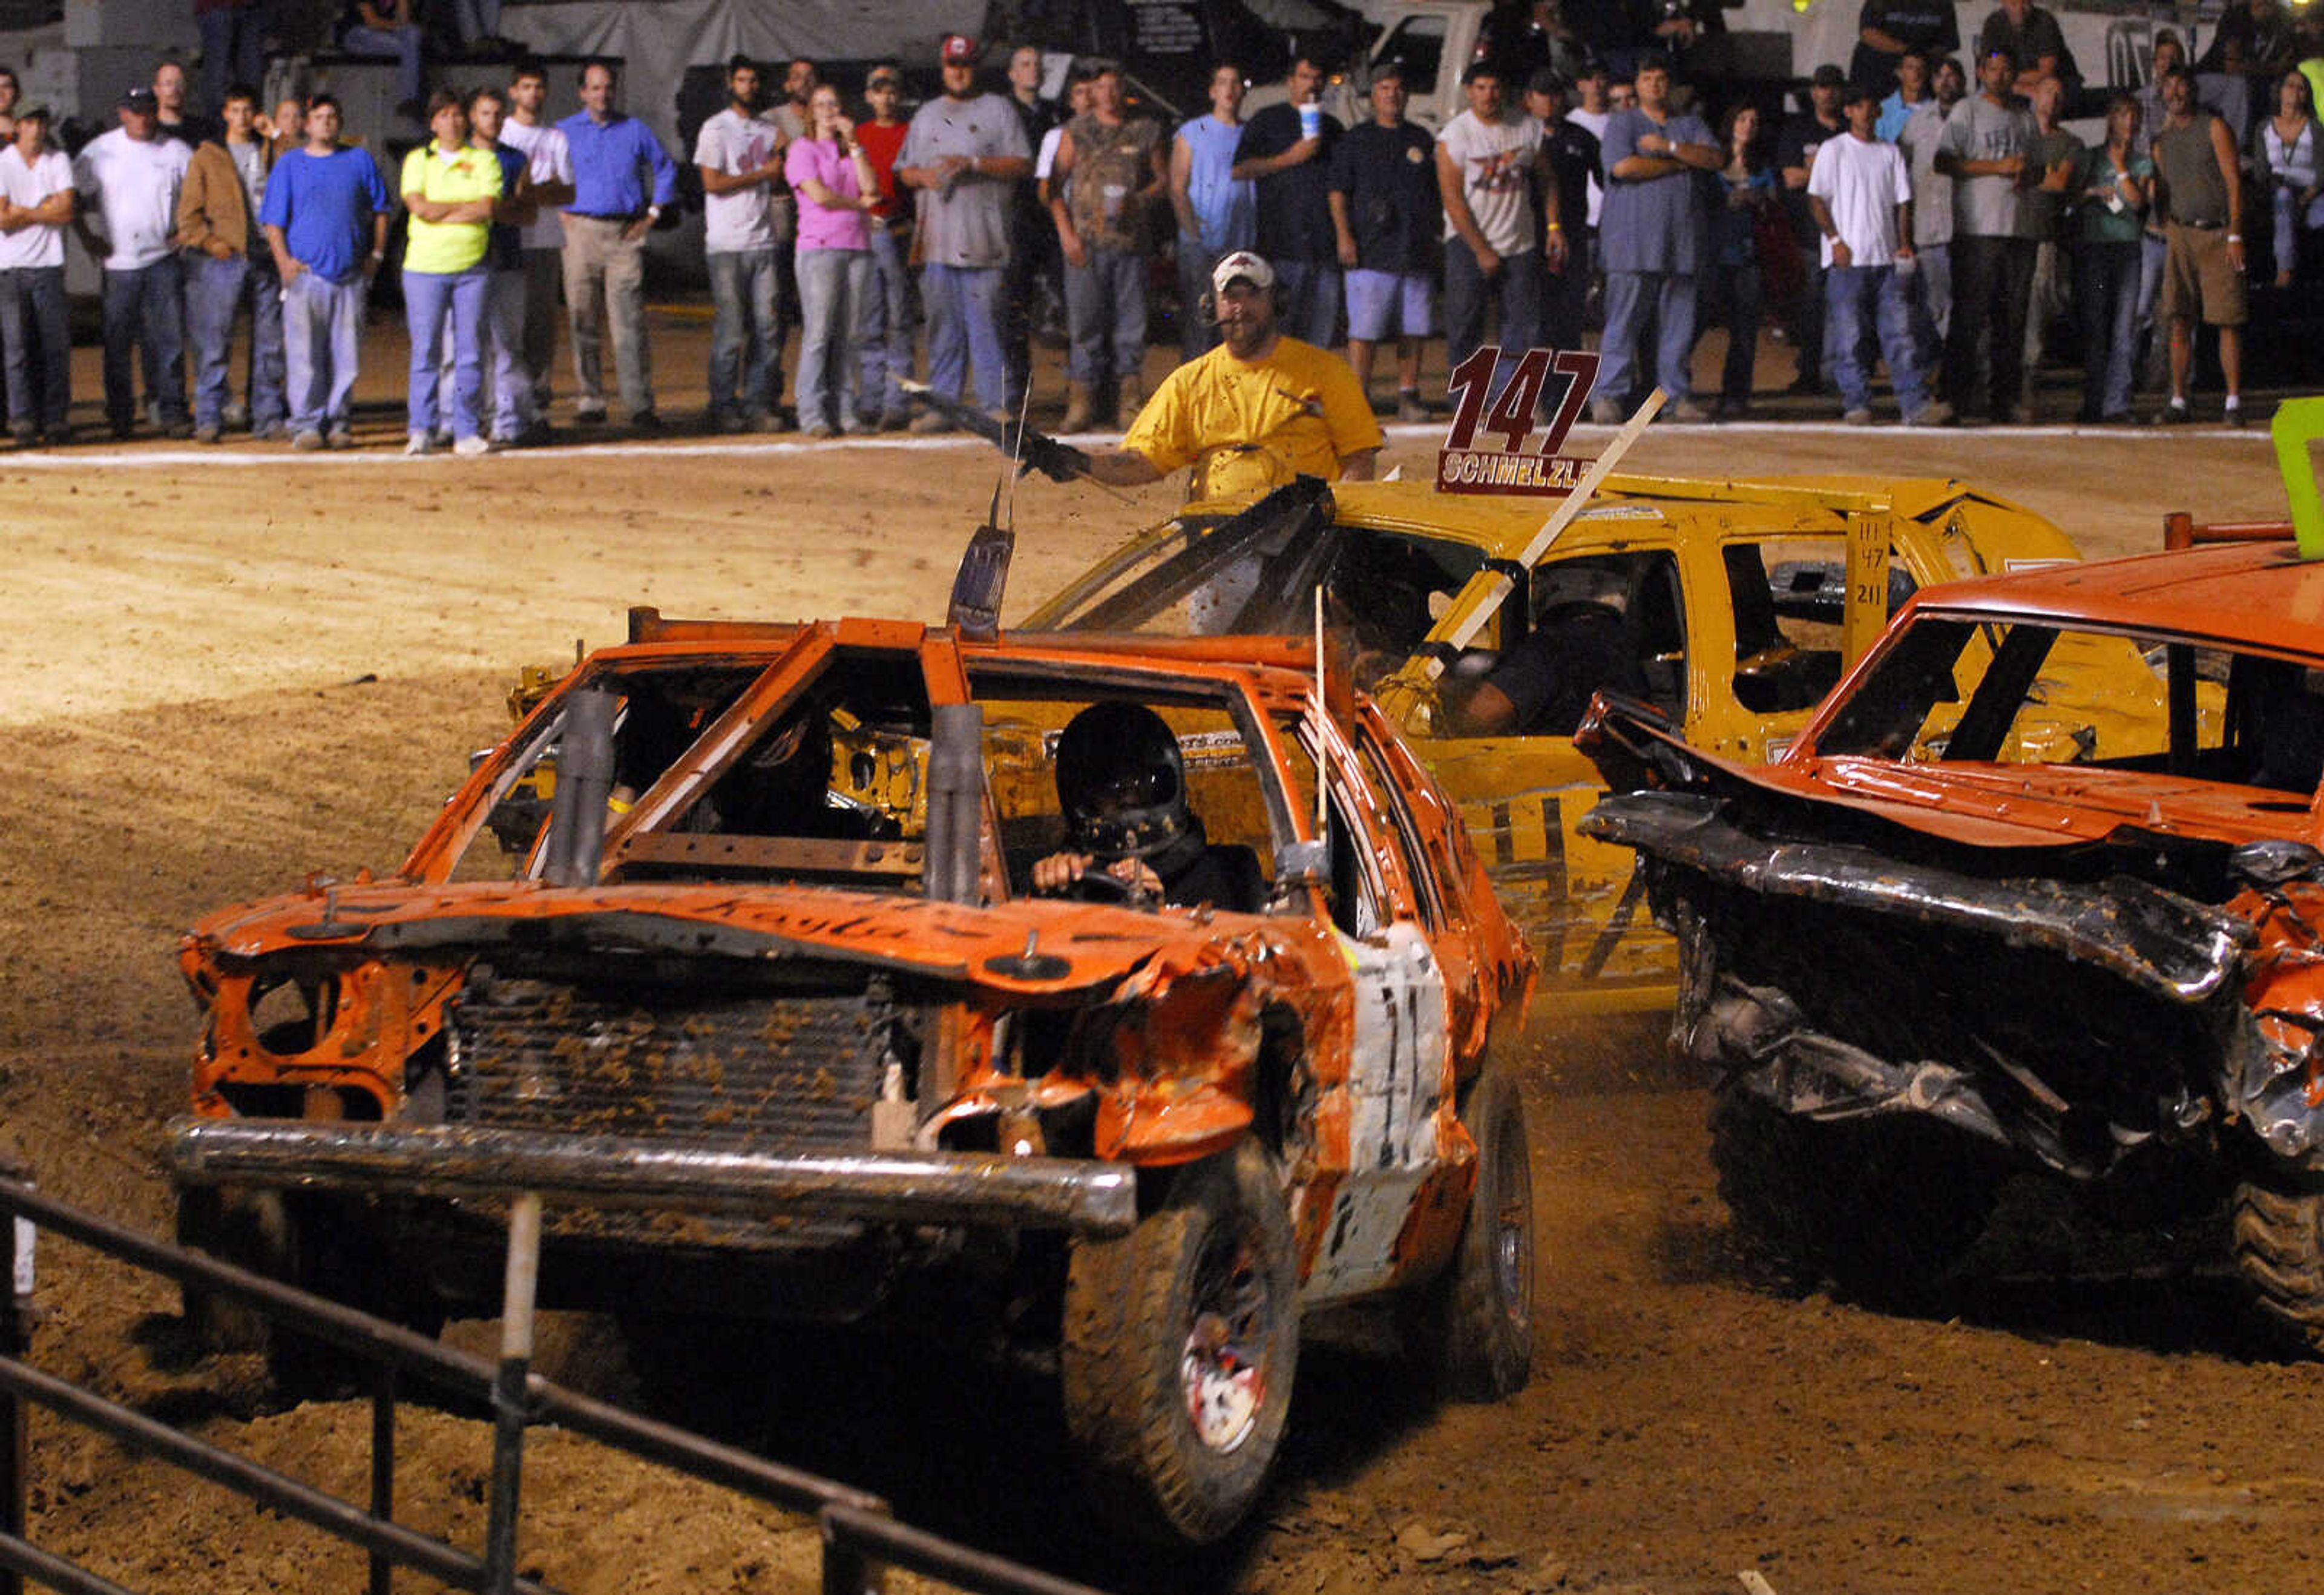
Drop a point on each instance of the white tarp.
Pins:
(658, 41)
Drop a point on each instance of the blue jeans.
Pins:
(1932, 303)
(2106, 291)
(1198, 333)
(746, 333)
(1849, 290)
(404, 44)
(142, 311)
(33, 311)
(884, 333)
(322, 345)
(230, 50)
(1105, 317)
(832, 285)
(1468, 295)
(216, 292)
(428, 297)
(1626, 295)
(963, 306)
(1309, 293)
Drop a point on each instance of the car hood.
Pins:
(1026, 947)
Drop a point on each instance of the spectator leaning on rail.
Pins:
(1387, 213)
(2199, 192)
(1109, 168)
(449, 187)
(326, 220)
(131, 177)
(36, 206)
(1651, 234)
(1862, 200)
(548, 180)
(964, 152)
(621, 180)
(231, 267)
(1287, 150)
(740, 157)
(1217, 211)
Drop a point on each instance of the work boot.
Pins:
(1129, 398)
(1078, 407)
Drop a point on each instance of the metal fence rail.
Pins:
(860, 1537)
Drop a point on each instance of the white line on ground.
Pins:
(387, 454)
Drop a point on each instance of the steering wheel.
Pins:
(1098, 886)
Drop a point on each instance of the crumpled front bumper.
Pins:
(969, 1188)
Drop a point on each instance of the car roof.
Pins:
(2260, 593)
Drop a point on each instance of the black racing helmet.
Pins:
(1122, 781)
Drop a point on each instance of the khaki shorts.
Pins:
(2198, 279)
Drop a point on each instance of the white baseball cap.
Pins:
(1242, 263)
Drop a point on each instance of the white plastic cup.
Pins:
(1311, 120)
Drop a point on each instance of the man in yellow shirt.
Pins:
(1252, 413)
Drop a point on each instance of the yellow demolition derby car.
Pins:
(1731, 607)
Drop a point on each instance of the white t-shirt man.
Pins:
(548, 158)
(742, 222)
(49, 175)
(1495, 160)
(1862, 181)
(134, 184)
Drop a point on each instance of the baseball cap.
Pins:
(1828, 76)
(33, 113)
(139, 99)
(1244, 264)
(883, 75)
(959, 48)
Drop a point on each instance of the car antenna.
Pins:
(1323, 807)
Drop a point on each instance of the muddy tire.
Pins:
(1882, 1210)
(1180, 1342)
(2279, 1252)
(1471, 1331)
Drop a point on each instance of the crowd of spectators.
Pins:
(1914, 212)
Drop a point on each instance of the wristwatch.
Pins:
(653, 213)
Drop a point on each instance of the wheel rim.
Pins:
(1512, 1217)
(1222, 1364)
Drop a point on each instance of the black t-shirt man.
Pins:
(1573, 155)
(1803, 132)
(1389, 178)
(1295, 206)
(1928, 25)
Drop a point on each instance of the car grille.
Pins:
(780, 1071)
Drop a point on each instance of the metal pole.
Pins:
(382, 1469)
(15, 1339)
(523, 1280)
(846, 1569)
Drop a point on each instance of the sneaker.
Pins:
(774, 421)
(821, 429)
(1807, 387)
(1936, 412)
(182, 430)
(1689, 409)
(209, 432)
(1607, 410)
(470, 447)
(538, 435)
(421, 443)
(646, 423)
(2175, 414)
(895, 421)
(25, 434)
(589, 415)
(341, 436)
(730, 421)
(1734, 410)
(123, 431)
(307, 441)
(236, 416)
(1859, 417)
(269, 431)
(1409, 408)
(930, 422)
(2234, 414)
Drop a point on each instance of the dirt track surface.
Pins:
(226, 672)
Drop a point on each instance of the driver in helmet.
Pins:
(1123, 785)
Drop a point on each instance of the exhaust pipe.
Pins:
(585, 780)
(955, 801)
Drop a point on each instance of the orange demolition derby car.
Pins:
(774, 956)
(1925, 948)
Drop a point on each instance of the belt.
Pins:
(607, 215)
(2204, 227)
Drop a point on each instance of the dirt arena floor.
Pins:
(230, 667)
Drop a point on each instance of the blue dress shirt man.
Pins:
(621, 180)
